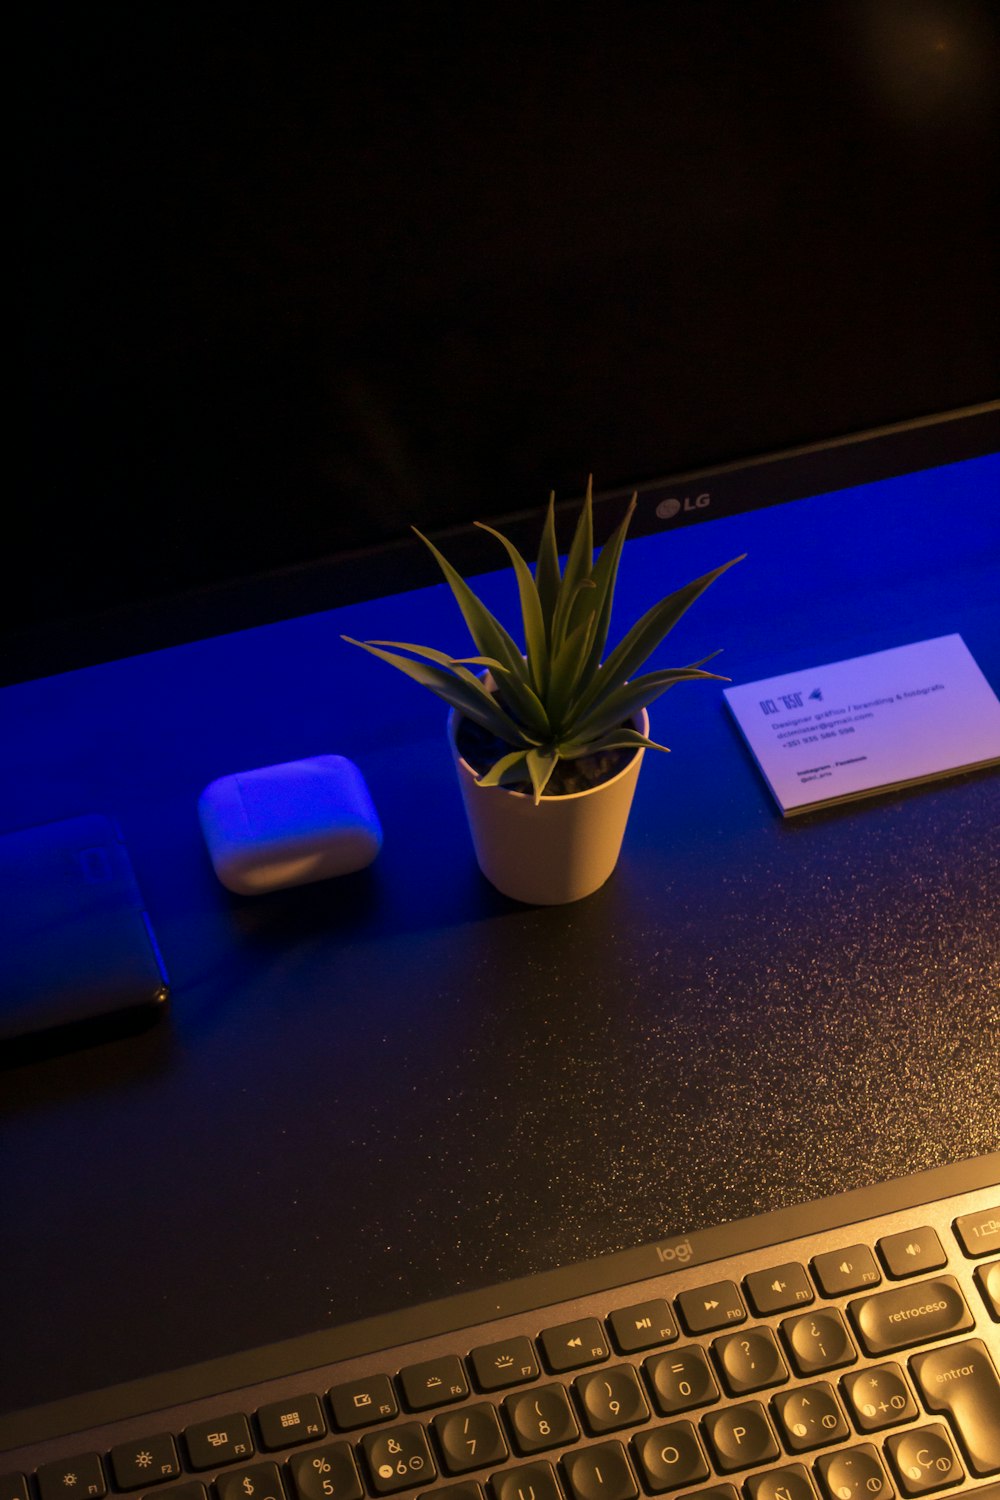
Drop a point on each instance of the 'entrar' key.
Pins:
(909, 1315)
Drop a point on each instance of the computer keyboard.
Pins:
(847, 1349)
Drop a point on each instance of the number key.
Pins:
(681, 1380)
(541, 1418)
(611, 1399)
(398, 1458)
(260, 1480)
(470, 1438)
(327, 1473)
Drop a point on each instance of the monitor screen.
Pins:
(297, 284)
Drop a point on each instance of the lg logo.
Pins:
(667, 509)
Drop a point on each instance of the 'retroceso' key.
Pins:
(905, 1316)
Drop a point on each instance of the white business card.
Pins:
(870, 724)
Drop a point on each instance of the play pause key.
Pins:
(646, 1325)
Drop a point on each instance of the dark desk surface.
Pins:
(397, 1085)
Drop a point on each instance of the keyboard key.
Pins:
(541, 1418)
(924, 1460)
(398, 1458)
(979, 1234)
(80, 1478)
(709, 1308)
(779, 1289)
(220, 1440)
(611, 1399)
(256, 1482)
(878, 1397)
(988, 1282)
(572, 1345)
(643, 1326)
(327, 1473)
(282, 1424)
(602, 1472)
(435, 1382)
(13, 1487)
(910, 1315)
(670, 1457)
(499, 1366)
(854, 1474)
(961, 1383)
(529, 1482)
(470, 1438)
(680, 1381)
(749, 1361)
(789, 1483)
(842, 1271)
(818, 1341)
(810, 1418)
(912, 1252)
(362, 1402)
(740, 1437)
(150, 1461)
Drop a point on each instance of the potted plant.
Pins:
(548, 740)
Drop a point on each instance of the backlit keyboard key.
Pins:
(643, 1326)
(960, 1382)
(80, 1478)
(359, 1403)
(818, 1341)
(979, 1233)
(398, 1458)
(681, 1380)
(709, 1308)
(924, 1460)
(910, 1315)
(498, 1366)
(911, 1253)
(258, 1480)
(284, 1423)
(842, 1271)
(780, 1289)
(572, 1345)
(740, 1437)
(151, 1460)
(435, 1382)
(327, 1473)
(221, 1440)
(599, 1473)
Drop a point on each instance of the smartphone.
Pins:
(77, 948)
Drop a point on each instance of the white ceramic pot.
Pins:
(564, 848)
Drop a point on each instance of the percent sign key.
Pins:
(328, 1473)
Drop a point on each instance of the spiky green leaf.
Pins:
(503, 769)
(605, 575)
(643, 639)
(631, 696)
(493, 640)
(535, 641)
(541, 763)
(547, 568)
(471, 698)
(615, 739)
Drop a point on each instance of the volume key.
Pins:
(960, 1382)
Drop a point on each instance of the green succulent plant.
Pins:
(556, 700)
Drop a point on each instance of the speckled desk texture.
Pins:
(397, 1085)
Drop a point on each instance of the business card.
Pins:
(870, 724)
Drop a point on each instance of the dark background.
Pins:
(299, 277)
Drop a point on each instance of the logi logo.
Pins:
(667, 509)
(675, 1250)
